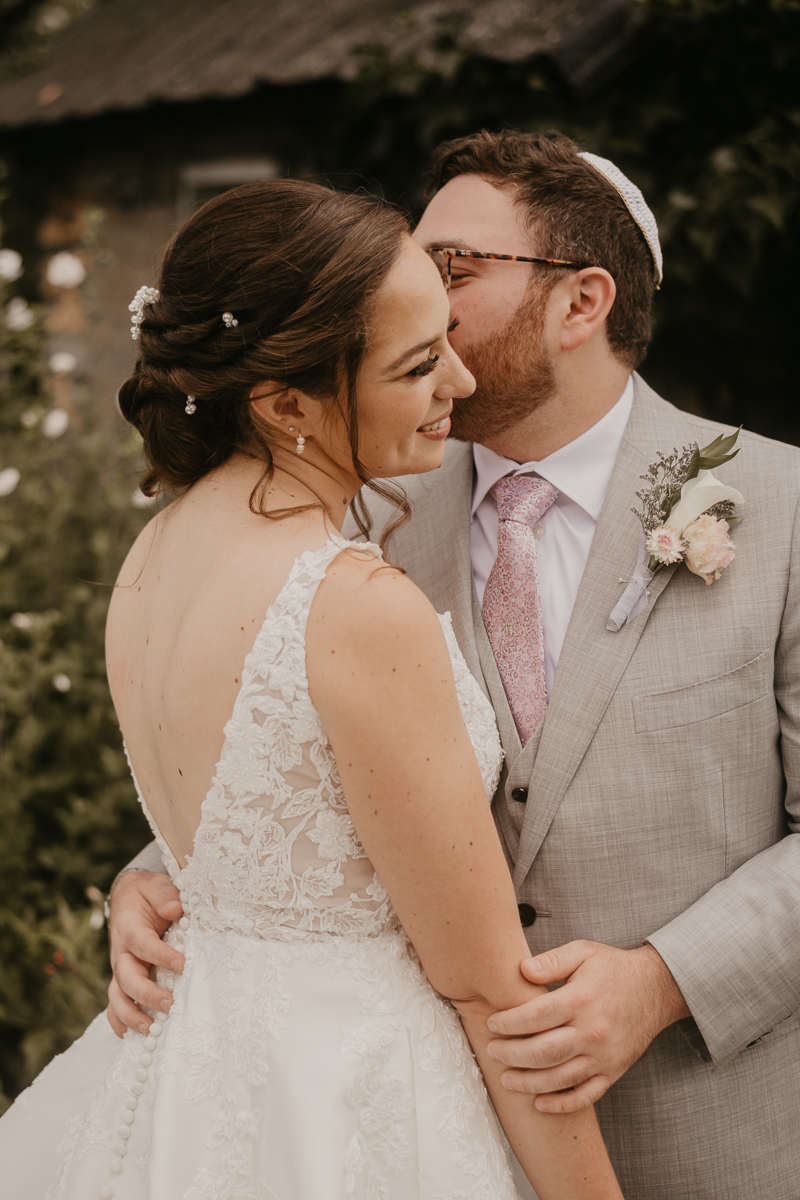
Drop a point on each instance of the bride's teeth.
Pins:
(431, 428)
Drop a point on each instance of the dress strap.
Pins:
(290, 610)
(344, 543)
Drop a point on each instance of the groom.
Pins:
(653, 812)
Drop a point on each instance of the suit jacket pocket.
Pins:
(701, 701)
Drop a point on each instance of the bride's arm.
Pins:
(381, 679)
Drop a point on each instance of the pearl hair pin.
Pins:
(229, 320)
(144, 296)
(191, 407)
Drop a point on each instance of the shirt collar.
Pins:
(581, 470)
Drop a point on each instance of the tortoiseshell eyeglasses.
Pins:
(443, 257)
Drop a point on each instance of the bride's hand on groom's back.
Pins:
(142, 906)
(570, 1045)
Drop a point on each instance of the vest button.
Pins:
(527, 914)
(520, 795)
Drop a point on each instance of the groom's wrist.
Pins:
(670, 1005)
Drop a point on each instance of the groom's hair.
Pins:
(573, 212)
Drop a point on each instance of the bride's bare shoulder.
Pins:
(139, 553)
(365, 608)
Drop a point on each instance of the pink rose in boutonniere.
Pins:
(709, 549)
(686, 516)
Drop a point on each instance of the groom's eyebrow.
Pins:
(407, 354)
(448, 244)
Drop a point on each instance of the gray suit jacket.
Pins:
(664, 804)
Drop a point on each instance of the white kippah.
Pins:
(635, 203)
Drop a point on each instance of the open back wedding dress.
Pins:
(306, 1056)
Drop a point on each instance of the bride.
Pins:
(350, 920)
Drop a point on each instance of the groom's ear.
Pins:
(585, 304)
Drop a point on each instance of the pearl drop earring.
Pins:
(301, 441)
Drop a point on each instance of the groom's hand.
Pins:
(570, 1045)
(142, 906)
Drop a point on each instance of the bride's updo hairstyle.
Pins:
(299, 266)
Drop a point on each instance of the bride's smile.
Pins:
(437, 429)
(409, 380)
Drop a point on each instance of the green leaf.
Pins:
(718, 452)
(712, 447)
(708, 464)
(695, 463)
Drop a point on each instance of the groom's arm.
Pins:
(148, 859)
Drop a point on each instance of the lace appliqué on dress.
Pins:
(276, 854)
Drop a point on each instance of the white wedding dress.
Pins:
(306, 1056)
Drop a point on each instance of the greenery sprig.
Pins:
(666, 476)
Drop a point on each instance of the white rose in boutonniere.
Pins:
(686, 517)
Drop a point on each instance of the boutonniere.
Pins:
(687, 515)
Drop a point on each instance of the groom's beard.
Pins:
(513, 374)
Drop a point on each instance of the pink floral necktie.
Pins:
(512, 607)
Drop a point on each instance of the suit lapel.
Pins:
(592, 658)
(435, 550)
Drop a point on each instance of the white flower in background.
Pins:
(52, 20)
(96, 920)
(65, 270)
(55, 423)
(23, 621)
(8, 480)
(10, 265)
(62, 683)
(139, 500)
(30, 418)
(62, 362)
(18, 316)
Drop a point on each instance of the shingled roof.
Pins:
(128, 54)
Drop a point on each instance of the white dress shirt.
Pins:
(581, 471)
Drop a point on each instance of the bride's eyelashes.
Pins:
(425, 367)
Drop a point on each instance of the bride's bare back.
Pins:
(190, 599)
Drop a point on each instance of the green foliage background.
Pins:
(67, 813)
(704, 114)
(703, 111)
